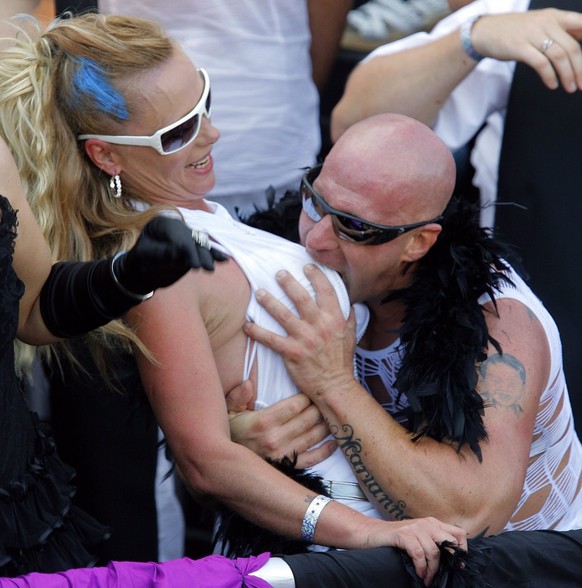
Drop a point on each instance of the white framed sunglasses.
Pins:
(173, 137)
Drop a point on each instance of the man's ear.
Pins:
(420, 241)
(103, 155)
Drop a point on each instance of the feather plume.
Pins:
(445, 334)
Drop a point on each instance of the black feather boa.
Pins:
(444, 333)
(280, 218)
(457, 568)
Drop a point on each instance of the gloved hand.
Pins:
(80, 296)
(164, 252)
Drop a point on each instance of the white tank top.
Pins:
(556, 452)
(260, 255)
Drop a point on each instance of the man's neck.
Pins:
(384, 325)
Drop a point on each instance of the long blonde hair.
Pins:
(76, 77)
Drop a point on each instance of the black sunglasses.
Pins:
(347, 226)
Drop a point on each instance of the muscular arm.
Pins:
(187, 396)
(327, 19)
(417, 81)
(427, 477)
(414, 82)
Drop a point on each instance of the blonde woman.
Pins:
(39, 527)
(109, 123)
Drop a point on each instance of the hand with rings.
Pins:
(201, 238)
(547, 40)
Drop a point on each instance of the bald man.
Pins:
(460, 408)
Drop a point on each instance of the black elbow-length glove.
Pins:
(80, 296)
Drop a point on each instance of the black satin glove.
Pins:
(164, 252)
(80, 296)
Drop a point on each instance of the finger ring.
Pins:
(201, 238)
(546, 45)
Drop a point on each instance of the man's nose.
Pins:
(321, 236)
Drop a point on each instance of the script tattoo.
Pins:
(352, 449)
(502, 382)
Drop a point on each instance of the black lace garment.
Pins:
(40, 529)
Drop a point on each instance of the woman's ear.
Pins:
(420, 241)
(103, 156)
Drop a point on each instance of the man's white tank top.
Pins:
(260, 255)
(554, 436)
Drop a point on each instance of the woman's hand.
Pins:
(166, 249)
(291, 426)
(547, 40)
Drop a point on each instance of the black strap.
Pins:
(80, 296)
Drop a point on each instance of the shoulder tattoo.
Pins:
(502, 379)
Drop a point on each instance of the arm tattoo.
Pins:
(352, 449)
(502, 381)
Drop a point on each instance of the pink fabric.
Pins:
(213, 571)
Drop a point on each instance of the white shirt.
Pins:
(555, 458)
(480, 98)
(260, 255)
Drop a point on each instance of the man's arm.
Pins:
(427, 477)
(327, 20)
(185, 392)
(417, 81)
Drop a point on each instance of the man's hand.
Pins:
(521, 36)
(290, 426)
(420, 538)
(320, 345)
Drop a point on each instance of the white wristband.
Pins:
(311, 516)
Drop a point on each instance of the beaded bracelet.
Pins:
(122, 288)
(311, 516)
(466, 30)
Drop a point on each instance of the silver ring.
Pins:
(546, 45)
(201, 238)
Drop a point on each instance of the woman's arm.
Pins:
(187, 397)
(32, 258)
(70, 299)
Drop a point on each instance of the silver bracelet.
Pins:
(466, 30)
(311, 517)
(122, 288)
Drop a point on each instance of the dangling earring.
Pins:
(115, 186)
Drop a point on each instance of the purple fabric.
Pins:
(213, 571)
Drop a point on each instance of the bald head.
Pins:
(402, 170)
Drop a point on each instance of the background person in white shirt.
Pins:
(433, 78)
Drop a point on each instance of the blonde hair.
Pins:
(76, 77)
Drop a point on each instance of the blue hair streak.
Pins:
(90, 80)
